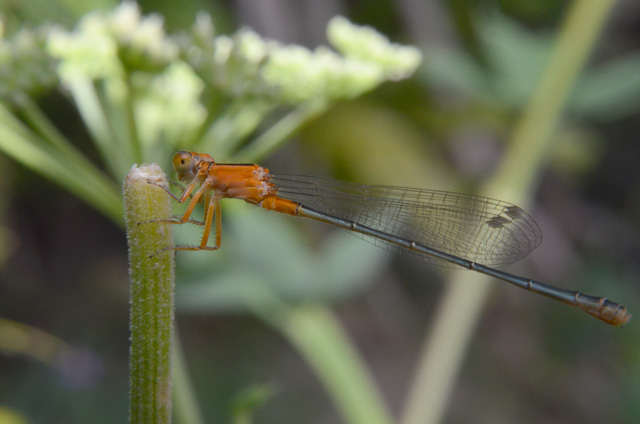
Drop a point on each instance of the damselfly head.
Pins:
(186, 163)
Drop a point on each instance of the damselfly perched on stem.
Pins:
(444, 228)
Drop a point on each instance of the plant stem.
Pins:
(132, 129)
(232, 126)
(152, 303)
(320, 339)
(280, 132)
(66, 168)
(94, 116)
(37, 120)
(532, 137)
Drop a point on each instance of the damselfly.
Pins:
(440, 227)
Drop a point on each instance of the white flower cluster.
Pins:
(369, 59)
(362, 43)
(104, 42)
(25, 68)
(170, 106)
(109, 46)
(247, 64)
(171, 83)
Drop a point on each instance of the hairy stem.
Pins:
(152, 287)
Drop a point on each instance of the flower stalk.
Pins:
(152, 299)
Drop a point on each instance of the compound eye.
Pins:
(182, 162)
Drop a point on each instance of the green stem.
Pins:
(33, 116)
(459, 312)
(134, 138)
(233, 125)
(95, 118)
(317, 334)
(215, 103)
(68, 169)
(282, 130)
(152, 287)
(533, 135)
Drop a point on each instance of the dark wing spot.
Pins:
(514, 212)
(498, 222)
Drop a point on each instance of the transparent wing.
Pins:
(479, 229)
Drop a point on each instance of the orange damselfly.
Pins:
(447, 229)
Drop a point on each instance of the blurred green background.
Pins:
(63, 264)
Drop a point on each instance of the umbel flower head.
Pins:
(26, 69)
(247, 64)
(105, 42)
(141, 88)
(108, 44)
